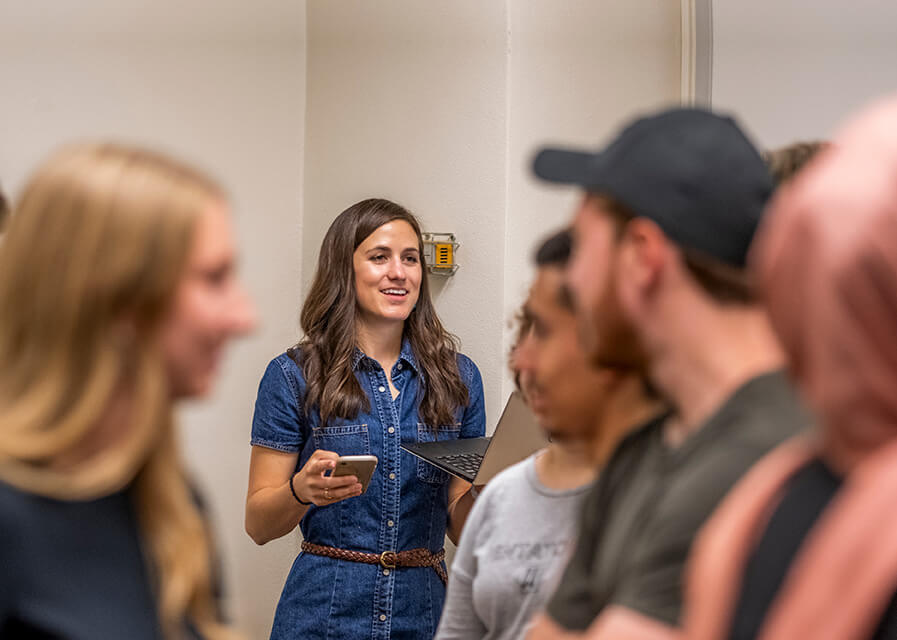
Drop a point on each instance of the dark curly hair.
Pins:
(785, 162)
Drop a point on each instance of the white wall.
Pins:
(793, 70)
(406, 100)
(440, 107)
(225, 89)
(578, 71)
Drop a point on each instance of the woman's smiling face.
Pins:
(387, 273)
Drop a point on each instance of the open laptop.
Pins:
(478, 460)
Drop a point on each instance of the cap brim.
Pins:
(564, 166)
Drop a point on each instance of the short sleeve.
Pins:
(473, 422)
(278, 420)
(655, 589)
(571, 605)
(653, 586)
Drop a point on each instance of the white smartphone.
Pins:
(362, 467)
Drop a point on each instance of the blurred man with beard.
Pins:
(658, 275)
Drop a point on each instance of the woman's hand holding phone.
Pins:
(312, 485)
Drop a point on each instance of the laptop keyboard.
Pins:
(467, 462)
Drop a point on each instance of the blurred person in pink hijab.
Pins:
(805, 545)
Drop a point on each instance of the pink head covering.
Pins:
(826, 257)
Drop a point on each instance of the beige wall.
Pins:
(407, 100)
(440, 106)
(577, 72)
(436, 105)
(794, 70)
(226, 90)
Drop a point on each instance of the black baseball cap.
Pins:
(693, 172)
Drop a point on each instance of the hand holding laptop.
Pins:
(477, 460)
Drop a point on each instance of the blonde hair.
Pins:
(91, 260)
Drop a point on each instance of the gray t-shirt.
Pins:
(640, 518)
(515, 543)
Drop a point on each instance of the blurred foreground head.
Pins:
(827, 263)
(117, 295)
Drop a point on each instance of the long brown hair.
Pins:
(98, 244)
(329, 316)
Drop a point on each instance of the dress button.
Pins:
(399, 366)
(390, 523)
(391, 430)
(392, 476)
(382, 617)
(386, 572)
(382, 388)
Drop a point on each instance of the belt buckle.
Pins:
(385, 562)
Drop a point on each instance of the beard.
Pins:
(609, 337)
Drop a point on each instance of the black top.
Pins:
(73, 570)
(806, 496)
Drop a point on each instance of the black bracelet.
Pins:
(293, 491)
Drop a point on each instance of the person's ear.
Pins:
(645, 250)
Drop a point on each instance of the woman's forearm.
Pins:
(272, 512)
(458, 511)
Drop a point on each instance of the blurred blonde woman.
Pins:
(117, 296)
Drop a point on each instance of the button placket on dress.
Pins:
(391, 438)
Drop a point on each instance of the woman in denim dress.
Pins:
(376, 369)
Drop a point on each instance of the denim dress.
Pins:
(404, 507)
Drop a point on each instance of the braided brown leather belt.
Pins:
(387, 559)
